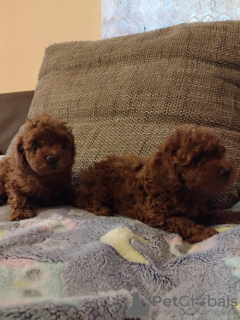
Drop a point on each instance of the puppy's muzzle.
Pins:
(52, 159)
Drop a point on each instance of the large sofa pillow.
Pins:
(126, 94)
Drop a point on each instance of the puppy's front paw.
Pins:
(100, 211)
(201, 235)
(21, 214)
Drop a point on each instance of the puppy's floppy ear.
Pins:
(20, 158)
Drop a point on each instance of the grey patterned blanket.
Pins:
(69, 264)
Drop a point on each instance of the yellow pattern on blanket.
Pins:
(119, 239)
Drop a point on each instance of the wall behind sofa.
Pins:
(27, 27)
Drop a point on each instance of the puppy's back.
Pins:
(110, 185)
(111, 169)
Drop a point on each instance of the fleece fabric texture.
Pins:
(67, 263)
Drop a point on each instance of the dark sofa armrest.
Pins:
(13, 110)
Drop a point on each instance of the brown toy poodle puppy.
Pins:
(38, 171)
(166, 190)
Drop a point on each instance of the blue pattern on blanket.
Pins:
(71, 264)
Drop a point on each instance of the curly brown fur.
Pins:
(166, 190)
(38, 171)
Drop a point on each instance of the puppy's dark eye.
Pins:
(198, 158)
(36, 144)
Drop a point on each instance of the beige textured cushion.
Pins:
(127, 94)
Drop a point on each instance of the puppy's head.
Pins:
(46, 145)
(198, 159)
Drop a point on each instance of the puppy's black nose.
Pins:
(225, 172)
(52, 159)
